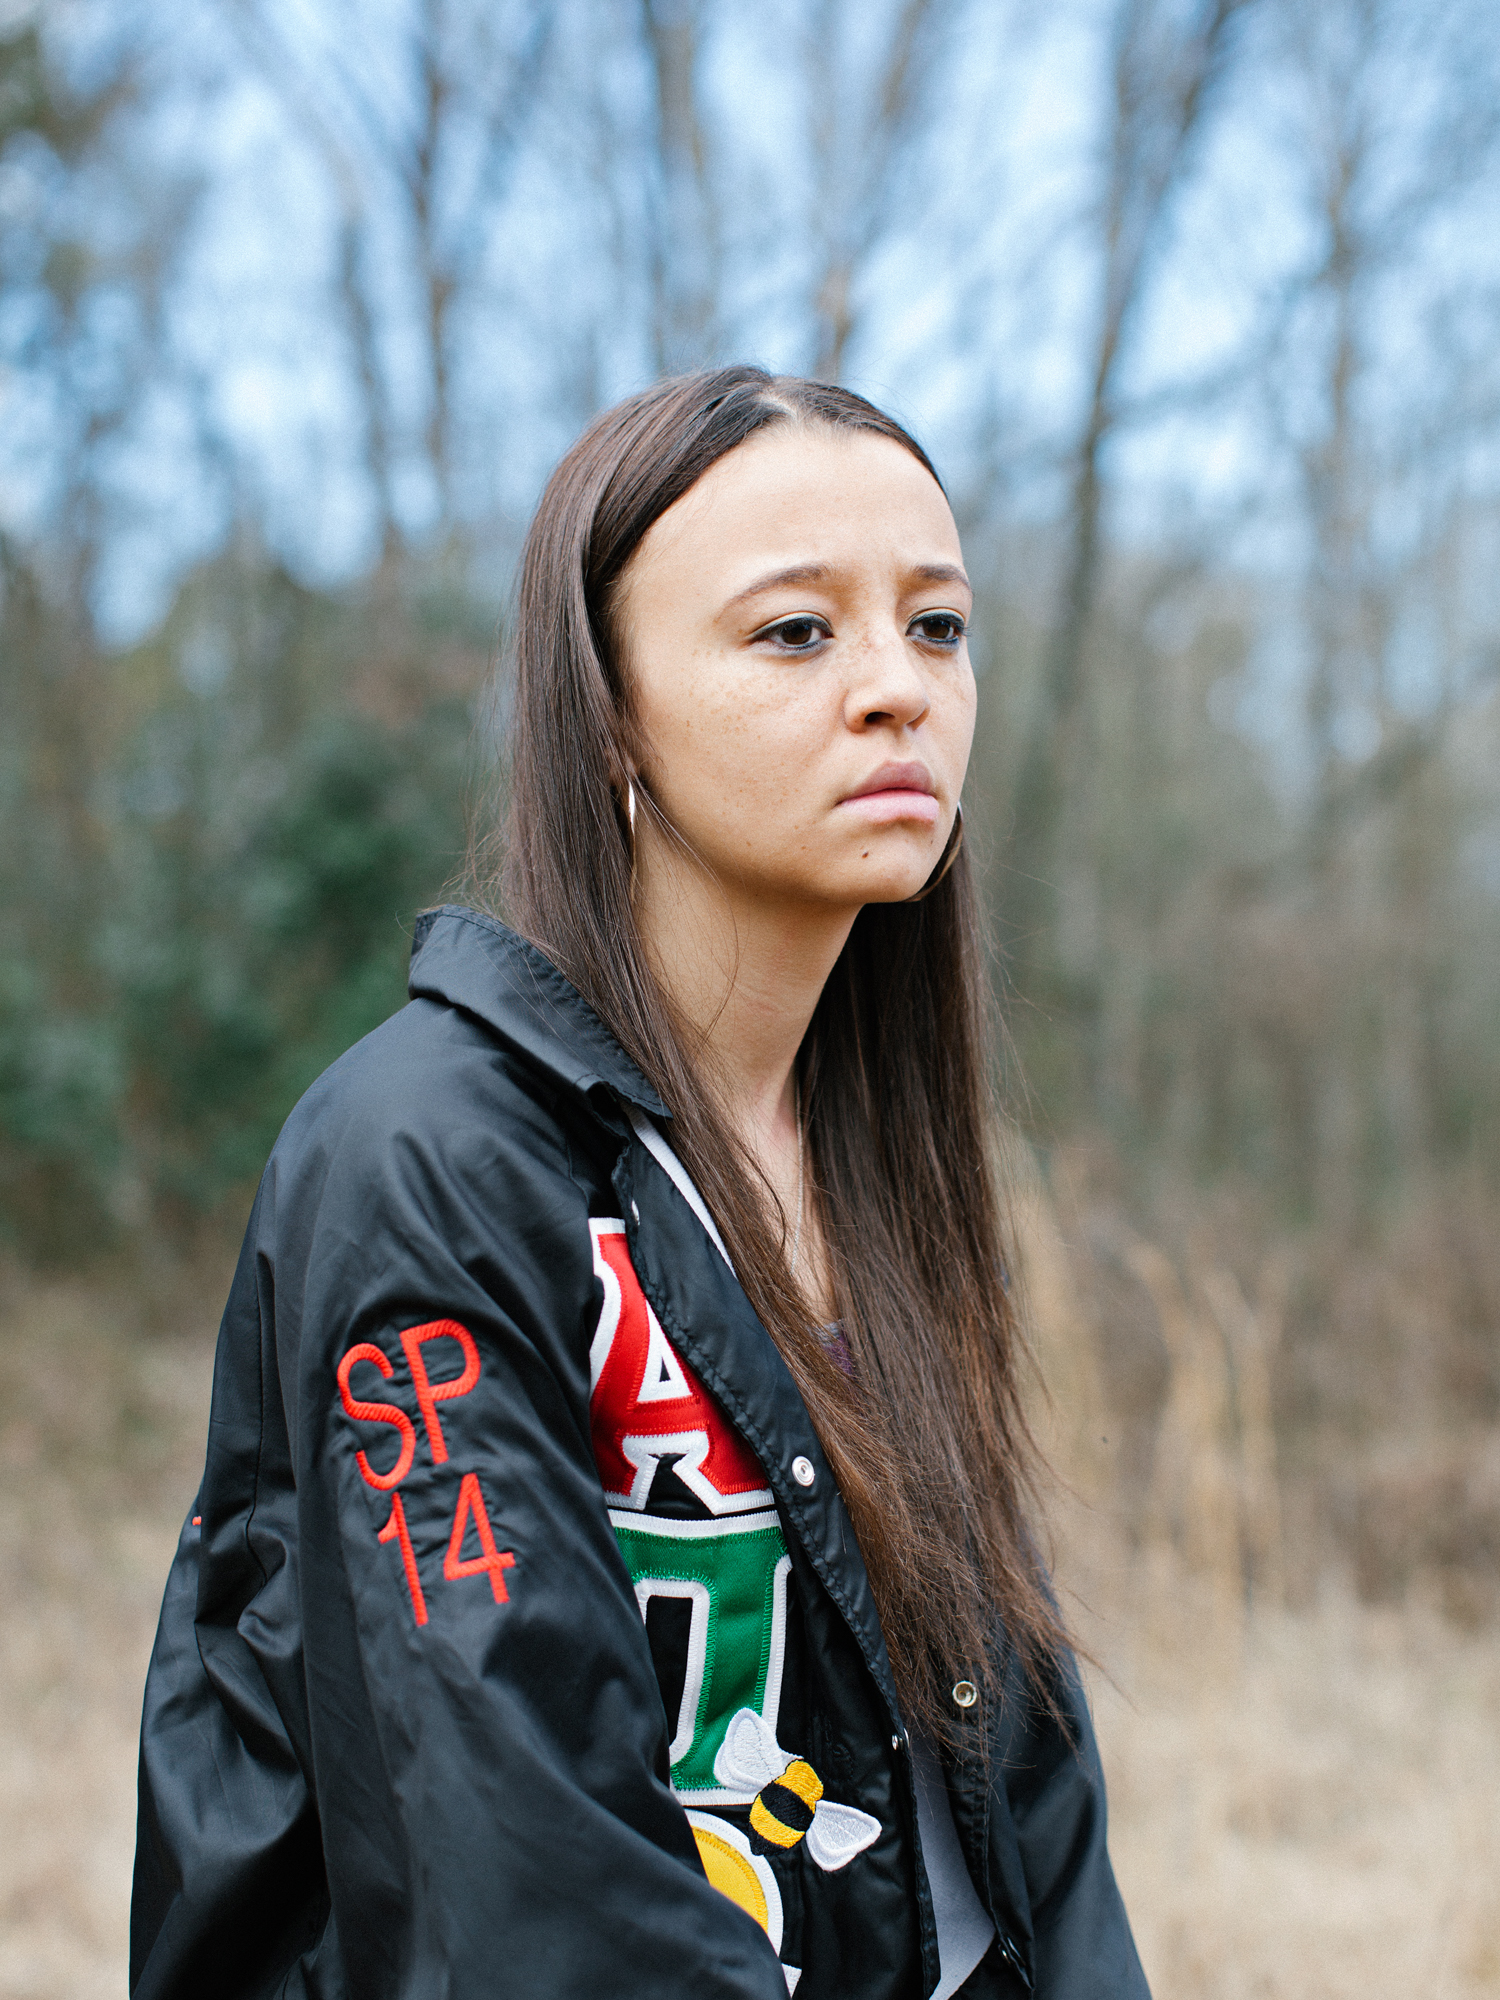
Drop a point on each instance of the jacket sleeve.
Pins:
(1053, 1792)
(402, 1732)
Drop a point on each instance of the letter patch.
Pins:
(693, 1514)
(646, 1404)
(733, 1576)
(471, 1520)
(738, 1873)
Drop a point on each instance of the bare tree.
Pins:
(1375, 182)
(436, 163)
(1167, 64)
(863, 148)
(1380, 830)
(686, 263)
(89, 245)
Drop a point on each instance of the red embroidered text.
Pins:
(377, 1413)
(495, 1561)
(470, 1510)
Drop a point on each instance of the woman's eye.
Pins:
(796, 635)
(939, 628)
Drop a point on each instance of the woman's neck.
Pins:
(744, 977)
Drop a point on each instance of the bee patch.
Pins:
(789, 1806)
(783, 1810)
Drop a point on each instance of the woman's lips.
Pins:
(895, 792)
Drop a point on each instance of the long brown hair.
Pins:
(929, 1440)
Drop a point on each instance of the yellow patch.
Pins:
(731, 1874)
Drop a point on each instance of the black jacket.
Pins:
(407, 1730)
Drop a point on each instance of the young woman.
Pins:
(610, 1575)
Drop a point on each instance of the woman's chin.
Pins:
(893, 881)
(897, 892)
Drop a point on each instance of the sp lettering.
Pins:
(429, 1390)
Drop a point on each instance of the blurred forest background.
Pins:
(1197, 303)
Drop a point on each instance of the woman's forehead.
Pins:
(800, 497)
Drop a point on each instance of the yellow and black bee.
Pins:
(789, 1805)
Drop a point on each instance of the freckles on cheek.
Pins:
(731, 743)
(724, 735)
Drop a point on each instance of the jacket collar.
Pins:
(471, 961)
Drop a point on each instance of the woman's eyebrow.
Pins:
(779, 579)
(940, 573)
(782, 579)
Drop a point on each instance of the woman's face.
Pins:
(794, 631)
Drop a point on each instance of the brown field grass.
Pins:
(1303, 1785)
(100, 1447)
(1304, 1801)
(1313, 1816)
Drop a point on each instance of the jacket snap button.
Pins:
(802, 1471)
(965, 1694)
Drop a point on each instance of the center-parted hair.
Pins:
(928, 1439)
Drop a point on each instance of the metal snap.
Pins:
(895, 1742)
(635, 1211)
(965, 1694)
(802, 1471)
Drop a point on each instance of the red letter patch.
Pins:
(647, 1405)
(495, 1561)
(430, 1393)
(396, 1529)
(377, 1413)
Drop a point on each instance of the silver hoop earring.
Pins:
(630, 830)
(950, 855)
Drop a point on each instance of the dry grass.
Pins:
(1314, 1816)
(100, 1448)
(1303, 1801)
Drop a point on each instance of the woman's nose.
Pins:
(887, 685)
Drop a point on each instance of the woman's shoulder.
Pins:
(428, 1073)
(495, 1094)
(493, 1034)
(430, 1130)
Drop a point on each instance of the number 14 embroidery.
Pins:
(491, 1561)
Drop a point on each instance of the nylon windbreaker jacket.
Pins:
(518, 1642)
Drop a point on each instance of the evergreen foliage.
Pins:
(261, 812)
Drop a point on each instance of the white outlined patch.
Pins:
(646, 1405)
(688, 1589)
(743, 1877)
(662, 1379)
(737, 1640)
